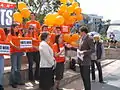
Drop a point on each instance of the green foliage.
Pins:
(104, 38)
(41, 7)
(56, 4)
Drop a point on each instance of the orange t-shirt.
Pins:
(35, 36)
(34, 23)
(2, 35)
(12, 48)
(52, 37)
(60, 58)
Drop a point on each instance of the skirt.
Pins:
(46, 78)
(59, 71)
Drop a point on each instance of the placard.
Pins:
(25, 43)
(6, 12)
(4, 49)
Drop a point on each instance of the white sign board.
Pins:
(25, 43)
(4, 49)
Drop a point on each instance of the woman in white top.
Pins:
(47, 63)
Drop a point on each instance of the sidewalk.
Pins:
(111, 73)
(73, 80)
(77, 85)
(69, 76)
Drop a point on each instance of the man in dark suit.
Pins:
(86, 48)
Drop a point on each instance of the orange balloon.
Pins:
(75, 4)
(50, 19)
(52, 37)
(74, 37)
(66, 15)
(55, 14)
(47, 22)
(79, 17)
(59, 20)
(74, 44)
(25, 12)
(60, 12)
(70, 9)
(71, 1)
(77, 10)
(73, 18)
(21, 5)
(51, 16)
(66, 38)
(63, 1)
(17, 17)
(70, 21)
(63, 7)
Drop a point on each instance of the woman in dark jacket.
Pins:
(97, 57)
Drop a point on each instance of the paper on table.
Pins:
(80, 54)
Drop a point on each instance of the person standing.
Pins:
(33, 26)
(112, 40)
(44, 28)
(47, 63)
(15, 57)
(33, 22)
(2, 39)
(58, 30)
(86, 48)
(96, 57)
(59, 51)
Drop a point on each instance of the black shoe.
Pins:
(21, 83)
(59, 89)
(14, 85)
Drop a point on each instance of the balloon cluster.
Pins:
(66, 14)
(71, 39)
(24, 12)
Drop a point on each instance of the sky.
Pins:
(109, 9)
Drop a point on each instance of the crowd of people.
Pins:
(49, 59)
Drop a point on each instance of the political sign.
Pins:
(6, 12)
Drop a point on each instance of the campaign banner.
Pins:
(25, 43)
(4, 49)
(6, 12)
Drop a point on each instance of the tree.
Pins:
(41, 7)
(56, 4)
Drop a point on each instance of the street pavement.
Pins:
(111, 73)
(77, 85)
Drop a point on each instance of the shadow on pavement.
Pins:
(99, 86)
